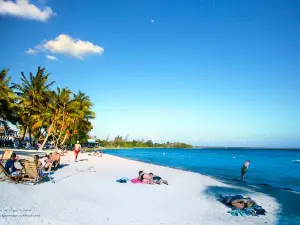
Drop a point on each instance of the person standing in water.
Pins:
(244, 169)
(77, 148)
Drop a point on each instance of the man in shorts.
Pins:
(77, 148)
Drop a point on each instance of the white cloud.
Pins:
(64, 44)
(31, 51)
(23, 9)
(51, 57)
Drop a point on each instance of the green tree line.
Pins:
(42, 112)
(121, 142)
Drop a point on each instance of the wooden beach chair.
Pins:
(6, 155)
(31, 173)
(7, 176)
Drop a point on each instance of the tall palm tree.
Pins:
(33, 94)
(82, 123)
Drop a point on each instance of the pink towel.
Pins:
(136, 181)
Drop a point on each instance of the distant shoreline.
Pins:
(252, 148)
(204, 147)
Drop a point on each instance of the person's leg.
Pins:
(165, 182)
(242, 176)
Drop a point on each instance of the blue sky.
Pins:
(209, 72)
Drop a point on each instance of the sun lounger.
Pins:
(7, 176)
(31, 173)
(6, 155)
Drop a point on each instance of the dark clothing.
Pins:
(156, 178)
(10, 165)
(244, 170)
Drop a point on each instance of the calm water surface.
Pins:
(270, 167)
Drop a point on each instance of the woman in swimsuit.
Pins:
(157, 179)
(144, 177)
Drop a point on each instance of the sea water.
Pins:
(270, 167)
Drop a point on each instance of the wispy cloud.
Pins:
(66, 45)
(51, 57)
(25, 10)
(31, 51)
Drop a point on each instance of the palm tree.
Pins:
(82, 125)
(33, 95)
(7, 98)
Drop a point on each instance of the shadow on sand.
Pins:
(289, 201)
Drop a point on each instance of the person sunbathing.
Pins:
(97, 153)
(242, 203)
(144, 177)
(55, 157)
(62, 152)
(39, 166)
(46, 162)
(38, 162)
(157, 179)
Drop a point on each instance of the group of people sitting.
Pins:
(150, 178)
(45, 163)
(48, 161)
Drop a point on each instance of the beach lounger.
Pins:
(31, 173)
(6, 155)
(7, 176)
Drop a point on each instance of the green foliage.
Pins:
(44, 113)
(120, 142)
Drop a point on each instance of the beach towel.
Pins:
(122, 180)
(136, 181)
(255, 210)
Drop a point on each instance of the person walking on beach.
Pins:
(244, 169)
(77, 148)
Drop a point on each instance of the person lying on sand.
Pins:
(97, 153)
(144, 177)
(157, 179)
(241, 203)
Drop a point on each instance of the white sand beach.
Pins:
(86, 192)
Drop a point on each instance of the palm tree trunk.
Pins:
(60, 131)
(65, 138)
(24, 134)
(30, 141)
(46, 138)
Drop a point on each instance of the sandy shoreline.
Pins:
(86, 192)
